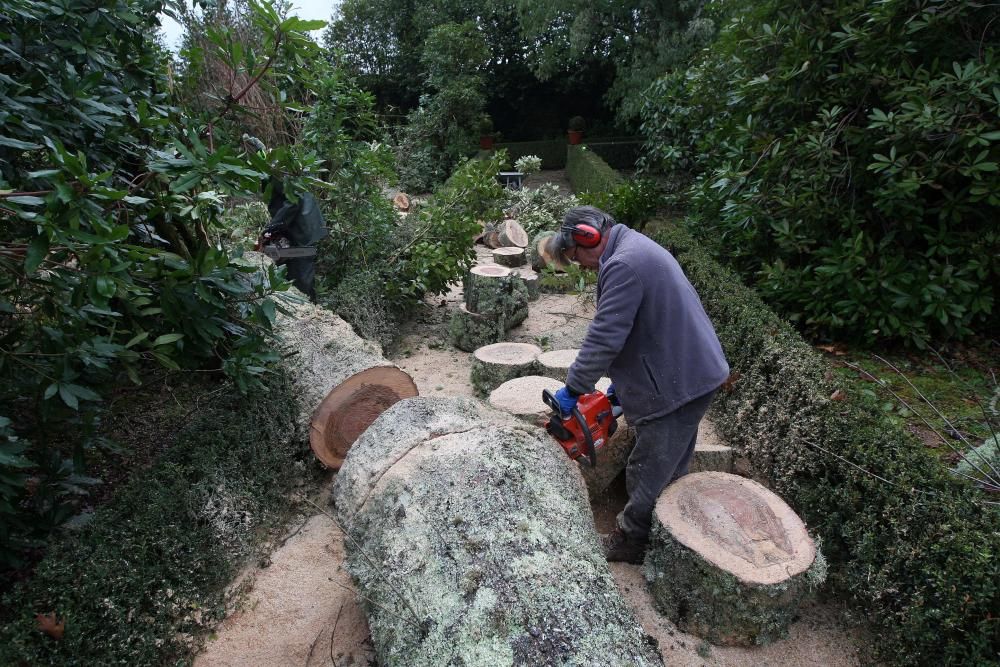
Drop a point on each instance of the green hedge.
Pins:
(918, 553)
(587, 172)
(552, 151)
(618, 154)
(148, 572)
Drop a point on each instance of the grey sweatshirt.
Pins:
(650, 334)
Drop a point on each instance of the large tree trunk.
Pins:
(492, 365)
(342, 380)
(728, 560)
(472, 543)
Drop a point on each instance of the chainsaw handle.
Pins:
(550, 400)
(588, 437)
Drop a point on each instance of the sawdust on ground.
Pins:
(302, 608)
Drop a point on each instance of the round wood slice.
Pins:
(530, 280)
(351, 407)
(522, 397)
(543, 252)
(511, 233)
(494, 364)
(509, 256)
(402, 201)
(556, 363)
(728, 560)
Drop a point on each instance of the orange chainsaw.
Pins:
(586, 429)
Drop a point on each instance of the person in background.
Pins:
(298, 226)
(652, 337)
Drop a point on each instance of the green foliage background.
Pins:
(845, 159)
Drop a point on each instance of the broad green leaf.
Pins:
(166, 339)
(68, 397)
(105, 286)
(37, 251)
(19, 145)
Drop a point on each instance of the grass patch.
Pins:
(139, 582)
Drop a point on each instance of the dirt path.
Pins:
(302, 608)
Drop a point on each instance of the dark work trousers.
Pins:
(302, 272)
(662, 453)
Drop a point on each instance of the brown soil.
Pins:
(302, 608)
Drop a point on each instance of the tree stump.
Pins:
(468, 331)
(522, 397)
(493, 365)
(508, 256)
(728, 560)
(556, 363)
(489, 288)
(402, 201)
(471, 542)
(530, 280)
(511, 234)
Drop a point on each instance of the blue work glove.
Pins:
(612, 396)
(567, 401)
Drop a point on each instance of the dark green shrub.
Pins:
(587, 172)
(632, 203)
(846, 158)
(617, 154)
(915, 550)
(149, 570)
(445, 127)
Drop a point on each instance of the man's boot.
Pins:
(618, 547)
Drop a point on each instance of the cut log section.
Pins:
(493, 365)
(509, 256)
(556, 363)
(471, 542)
(512, 234)
(728, 560)
(522, 397)
(341, 381)
(402, 201)
(351, 407)
(468, 331)
(543, 253)
(493, 290)
(530, 280)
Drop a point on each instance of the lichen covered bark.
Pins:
(472, 543)
(468, 331)
(487, 376)
(711, 603)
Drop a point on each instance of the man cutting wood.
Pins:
(651, 336)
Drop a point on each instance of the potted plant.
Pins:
(486, 132)
(576, 127)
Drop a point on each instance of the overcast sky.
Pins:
(306, 9)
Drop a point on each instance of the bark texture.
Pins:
(510, 233)
(509, 256)
(492, 365)
(728, 560)
(530, 280)
(472, 543)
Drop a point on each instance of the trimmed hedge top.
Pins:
(587, 172)
(918, 551)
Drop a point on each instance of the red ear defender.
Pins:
(586, 236)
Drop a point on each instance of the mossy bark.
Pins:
(468, 331)
(490, 370)
(611, 460)
(712, 457)
(509, 256)
(499, 296)
(530, 280)
(472, 543)
(728, 561)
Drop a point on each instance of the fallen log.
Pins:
(469, 536)
(728, 560)
(509, 256)
(542, 254)
(342, 380)
(492, 365)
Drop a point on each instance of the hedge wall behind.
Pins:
(587, 172)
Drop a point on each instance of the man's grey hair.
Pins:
(584, 215)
